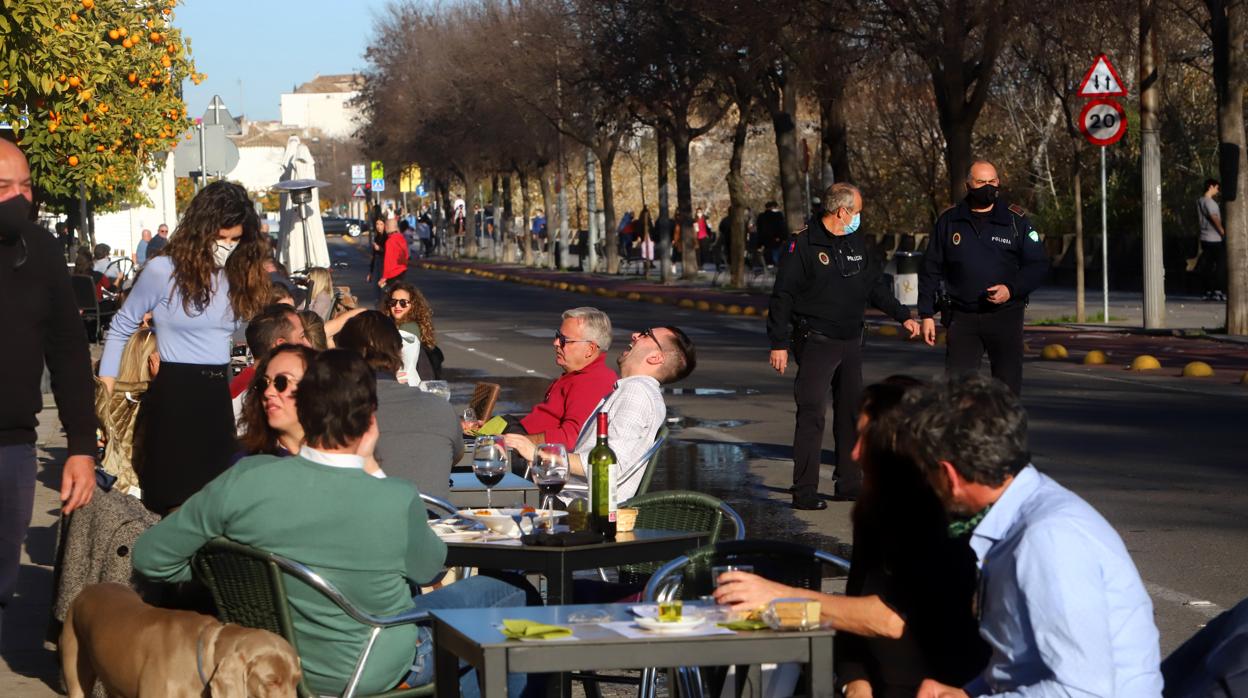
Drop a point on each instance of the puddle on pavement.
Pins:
(676, 422)
(710, 392)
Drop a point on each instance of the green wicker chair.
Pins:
(689, 577)
(651, 457)
(679, 510)
(249, 588)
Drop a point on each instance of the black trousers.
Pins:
(1213, 265)
(999, 333)
(188, 433)
(17, 503)
(825, 362)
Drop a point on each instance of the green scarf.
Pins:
(962, 527)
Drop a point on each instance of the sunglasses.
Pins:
(564, 340)
(400, 302)
(650, 333)
(281, 382)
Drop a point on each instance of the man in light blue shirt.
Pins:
(1060, 601)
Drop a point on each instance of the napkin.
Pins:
(744, 624)
(562, 540)
(533, 630)
(493, 427)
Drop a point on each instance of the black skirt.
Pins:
(188, 433)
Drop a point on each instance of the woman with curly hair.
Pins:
(407, 306)
(270, 422)
(208, 280)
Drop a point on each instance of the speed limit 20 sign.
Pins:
(1103, 122)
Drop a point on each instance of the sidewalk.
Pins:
(1048, 314)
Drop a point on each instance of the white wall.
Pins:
(259, 167)
(327, 111)
(122, 230)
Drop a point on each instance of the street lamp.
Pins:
(300, 192)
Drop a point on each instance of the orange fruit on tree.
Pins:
(127, 43)
(73, 160)
(164, 60)
(166, 11)
(88, 4)
(154, 37)
(132, 77)
(52, 127)
(123, 31)
(114, 34)
(61, 78)
(74, 81)
(73, 16)
(99, 148)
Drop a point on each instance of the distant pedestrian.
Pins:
(158, 243)
(38, 311)
(773, 232)
(376, 243)
(394, 257)
(1212, 264)
(703, 229)
(989, 258)
(140, 250)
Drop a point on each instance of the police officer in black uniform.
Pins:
(988, 258)
(823, 284)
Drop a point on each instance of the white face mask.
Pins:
(223, 250)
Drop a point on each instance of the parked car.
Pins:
(337, 225)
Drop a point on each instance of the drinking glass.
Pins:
(439, 388)
(718, 570)
(550, 472)
(469, 415)
(490, 461)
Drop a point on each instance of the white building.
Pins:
(122, 230)
(260, 151)
(324, 104)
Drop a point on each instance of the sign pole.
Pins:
(1104, 246)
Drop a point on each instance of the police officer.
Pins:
(823, 284)
(988, 258)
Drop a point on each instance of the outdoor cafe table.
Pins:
(557, 564)
(473, 635)
(467, 492)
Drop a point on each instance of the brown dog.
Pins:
(140, 651)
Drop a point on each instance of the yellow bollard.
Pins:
(1054, 352)
(1144, 362)
(1096, 357)
(1197, 369)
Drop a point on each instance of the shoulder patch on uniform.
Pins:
(1035, 237)
(1017, 210)
(792, 246)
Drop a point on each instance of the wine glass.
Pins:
(469, 415)
(550, 472)
(490, 461)
(440, 388)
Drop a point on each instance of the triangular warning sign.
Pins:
(1102, 80)
(358, 191)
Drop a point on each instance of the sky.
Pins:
(254, 50)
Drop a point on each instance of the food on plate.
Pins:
(795, 613)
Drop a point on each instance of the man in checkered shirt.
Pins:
(635, 409)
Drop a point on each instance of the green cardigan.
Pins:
(367, 536)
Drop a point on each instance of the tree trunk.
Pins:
(551, 216)
(684, 207)
(664, 237)
(593, 234)
(1150, 167)
(526, 235)
(958, 157)
(470, 225)
(496, 203)
(736, 198)
(504, 225)
(1081, 309)
(834, 127)
(606, 163)
(784, 121)
(1229, 29)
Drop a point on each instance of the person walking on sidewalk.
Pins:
(989, 258)
(823, 285)
(1212, 264)
(38, 311)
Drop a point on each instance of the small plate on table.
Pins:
(685, 624)
(511, 522)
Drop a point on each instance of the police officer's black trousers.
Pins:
(823, 362)
(999, 333)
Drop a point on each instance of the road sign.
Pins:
(409, 179)
(358, 191)
(1103, 122)
(220, 153)
(379, 185)
(1102, 80)
(217, 115)
(358, 174)
(378, 170)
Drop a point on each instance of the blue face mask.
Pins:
(852, 227)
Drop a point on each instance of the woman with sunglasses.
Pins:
(270, 421)
(406, 305)
(208, 280)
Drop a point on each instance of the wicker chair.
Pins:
(249, 588)
(651, 457)
(679, 510)
(484, 396)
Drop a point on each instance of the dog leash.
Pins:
(199, 655)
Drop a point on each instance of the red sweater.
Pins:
(569, 400)
(396, 256)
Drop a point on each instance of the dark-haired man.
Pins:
(368, 536)
(1212, 263)
(635, 408)
(1060, 603)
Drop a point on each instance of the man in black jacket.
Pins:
(823, 285)
(42, 324)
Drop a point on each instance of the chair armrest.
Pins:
(406, 618)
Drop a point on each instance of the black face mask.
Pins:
(982, 197)
(14, 215)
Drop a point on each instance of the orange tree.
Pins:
(92, 90)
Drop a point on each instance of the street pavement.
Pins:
(1160, 456)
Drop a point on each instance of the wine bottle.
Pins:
(604, 474)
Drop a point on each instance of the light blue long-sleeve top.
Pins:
(201, 337)
(1062, 605)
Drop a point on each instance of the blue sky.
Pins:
(270, 46)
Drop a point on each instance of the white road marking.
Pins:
(498, 359)
(468, 336)
(1208, 609)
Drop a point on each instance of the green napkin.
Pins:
(744, 624)
(532, 630)
(493, 427)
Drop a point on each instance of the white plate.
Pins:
(685, 624)
(506, 521)
(460, 536)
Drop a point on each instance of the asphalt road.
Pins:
(1161, 457)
